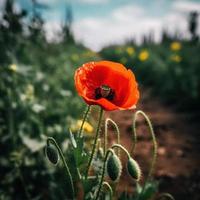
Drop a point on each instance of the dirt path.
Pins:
(178, 140)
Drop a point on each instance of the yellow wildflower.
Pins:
(176, 58)
(130, 51)
(13, 67)
(144, 55)
(175, 46)
(87, 127)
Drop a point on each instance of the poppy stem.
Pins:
(110, 150)
(103, 172)
(155, 147)
(118, 146)
(108, 120)
(83, 121)
(69, 176)
(106, 184)
(95, 142)
(134, 134)
(165, 196)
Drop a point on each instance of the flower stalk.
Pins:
(84, 119)
(108, 120)
(95, 142)
(155, 147)
(69, 177)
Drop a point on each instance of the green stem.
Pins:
(165, 196)
(118, 146)
(109, 188)
(83, 121)
(103, 172)
(134, 134)
(51, 140)
(154, 153)
(106, 134)
(104, 165)
(95, 142)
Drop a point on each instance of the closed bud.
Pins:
(52, 154)
(134, 169)
(114, 167)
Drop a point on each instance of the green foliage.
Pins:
(38, 99)
(141, 193)
(169, 73)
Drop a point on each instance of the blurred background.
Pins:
(42, 42)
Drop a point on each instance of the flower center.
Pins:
(104, 91)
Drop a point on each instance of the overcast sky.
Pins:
(101, 22)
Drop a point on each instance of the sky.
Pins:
(97, 23)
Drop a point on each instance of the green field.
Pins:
(38, 97)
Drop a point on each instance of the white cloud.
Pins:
(53, 30)
(128, 12)
(186, 6)
(127, 22)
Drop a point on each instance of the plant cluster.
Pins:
(104, 161)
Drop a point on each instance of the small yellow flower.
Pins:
(87, 127)
(13, 67)
(144, 55)
(175, 46)
(176, 58)
(130, 51)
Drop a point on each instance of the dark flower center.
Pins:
(104, 91)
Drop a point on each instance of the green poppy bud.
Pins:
(134, 169)
(52, 154)
(114, 167)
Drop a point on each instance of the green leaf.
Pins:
(73, 141)
(150, 189)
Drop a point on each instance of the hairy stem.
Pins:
(103, 172)
(134, 134)
(165, 196)
(84, 119)
(118, 146)
(154, 153)
(95, 142)
(106, 134)
(106, 184)
(69, 176)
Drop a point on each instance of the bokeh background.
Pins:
(42, 42)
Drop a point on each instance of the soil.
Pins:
(178, 138)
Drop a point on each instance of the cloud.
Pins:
(53, 30)
(127, 22)
(123, 23)
(186, 6)
(128, 12)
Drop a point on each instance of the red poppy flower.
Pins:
(107, 84)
